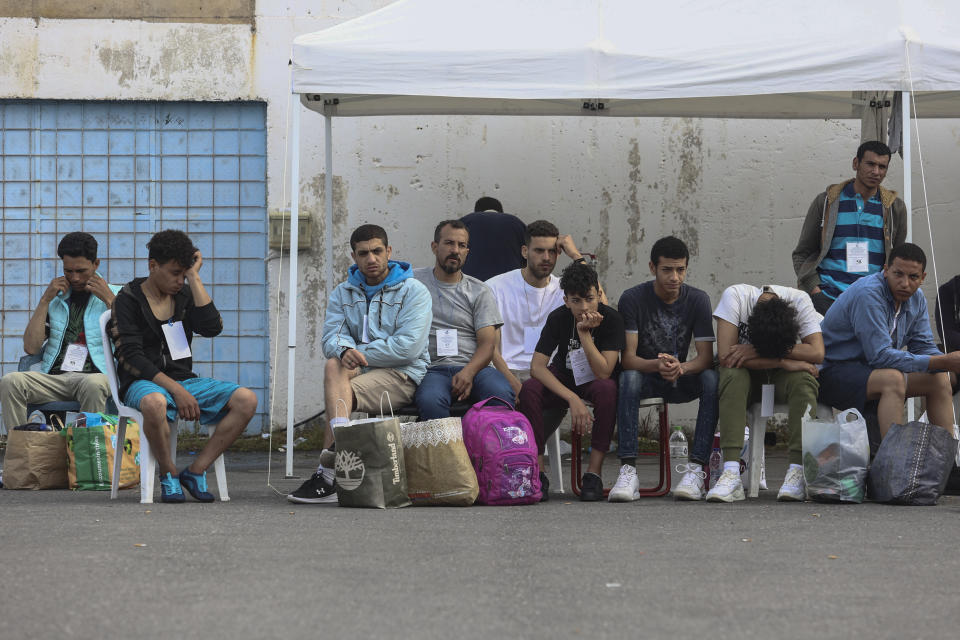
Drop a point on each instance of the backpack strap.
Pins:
(481, 404)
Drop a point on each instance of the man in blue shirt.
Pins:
(879, 346)
(849, 229)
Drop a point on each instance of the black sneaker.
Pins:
(592, 489)
(316, 490)
(544, 487)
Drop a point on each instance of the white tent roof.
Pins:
(636, 57)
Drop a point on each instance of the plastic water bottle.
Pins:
(716, 461)
(678, 456)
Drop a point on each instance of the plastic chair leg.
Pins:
(556, 463)
(118, 459)
(221, 471)
(148, 471)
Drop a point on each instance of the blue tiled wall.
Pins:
(122, 171)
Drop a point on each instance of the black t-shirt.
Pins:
(666, 328)
(560, 333)
(74, 332)
(495, 241)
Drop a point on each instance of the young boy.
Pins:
(152, 327)
(588, 337)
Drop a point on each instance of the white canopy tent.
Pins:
(608, 58)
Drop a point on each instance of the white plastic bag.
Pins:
(835, 457)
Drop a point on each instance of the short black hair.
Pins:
(78, 244)
(908, 251)
(773, 328)
(540, 229)
(171, 244)
(875, 146)
(456, 224)
(578, 278)
(487, 203)
(671, 248)
(366, 232)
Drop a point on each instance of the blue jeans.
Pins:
(636, 386)
(433, 394)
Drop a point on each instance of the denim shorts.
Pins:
(212, 396)
(843, 385)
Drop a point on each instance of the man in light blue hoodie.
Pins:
(879, 346)
(375, 337)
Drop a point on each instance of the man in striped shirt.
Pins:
(849, 229)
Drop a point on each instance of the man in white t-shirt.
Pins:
(757, 343)
(525, 298)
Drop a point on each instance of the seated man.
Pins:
(152, 327)
(587, 337)
(463, 330)
(879, 346)
(661, 317)
(68, 318)
(497, 240)
(757, 333)
(375, 340)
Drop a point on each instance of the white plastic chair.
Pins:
(148, 462)
(755, 454)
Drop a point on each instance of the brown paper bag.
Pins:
(439, 471)
(35, 460)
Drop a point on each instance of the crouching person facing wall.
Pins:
(375, 341)
(588, 337)
(152, 327)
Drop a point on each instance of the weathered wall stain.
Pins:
(685, 146)
(603, 243)
(18, 61)
(636, 233)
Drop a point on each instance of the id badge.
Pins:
(858, 257)
(447, 342)
(75, 357)
(582, 373)
(176, 340)
(531, 336)
(766, 400)
(365, 338)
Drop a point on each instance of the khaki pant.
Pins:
(20, 388)
(369, 387)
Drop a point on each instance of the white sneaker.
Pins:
(627, 488)
(729, 488)
(794, 488)
(691, 486)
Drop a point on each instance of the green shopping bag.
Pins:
(91, 452)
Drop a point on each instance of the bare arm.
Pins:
(501, 365)
(602, 362)
(702, 362)
(35, 333)
(200, 296)
(634, 362)
(462, 382)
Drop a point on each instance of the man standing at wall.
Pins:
(375, 340)
(66, 326)
(463, 330)
(661, 317)
(496, 238)
(850, 229)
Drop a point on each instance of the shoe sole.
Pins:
(623, 498)
(323, 500)
(686, 497)
(786, 497)
(736, 496)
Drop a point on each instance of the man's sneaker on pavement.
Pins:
(690, 486)
(170, 490)
(592, 489)
(316, 490)
(794, 488)
(627, 487)
(544, 487)
(728, 488)
(196, 484)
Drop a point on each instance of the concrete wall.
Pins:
(735, 190)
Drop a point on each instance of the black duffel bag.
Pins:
(912, 464)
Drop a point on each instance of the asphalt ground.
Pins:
(77, 565)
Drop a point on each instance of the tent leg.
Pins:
(292, 291)
(328, 195)
(907, 197)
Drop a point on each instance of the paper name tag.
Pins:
(74, 358)
(531, 336)
(447, 342)
(766, 400)
(580, 365)
(366, 336)
(858, 257)
(176, 340)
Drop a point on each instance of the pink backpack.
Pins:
(503, 451)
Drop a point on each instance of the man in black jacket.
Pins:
(154, 319)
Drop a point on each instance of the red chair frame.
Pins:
(663, 487)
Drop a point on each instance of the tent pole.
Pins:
(328, 195)
(907, 197)
(292, 291)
